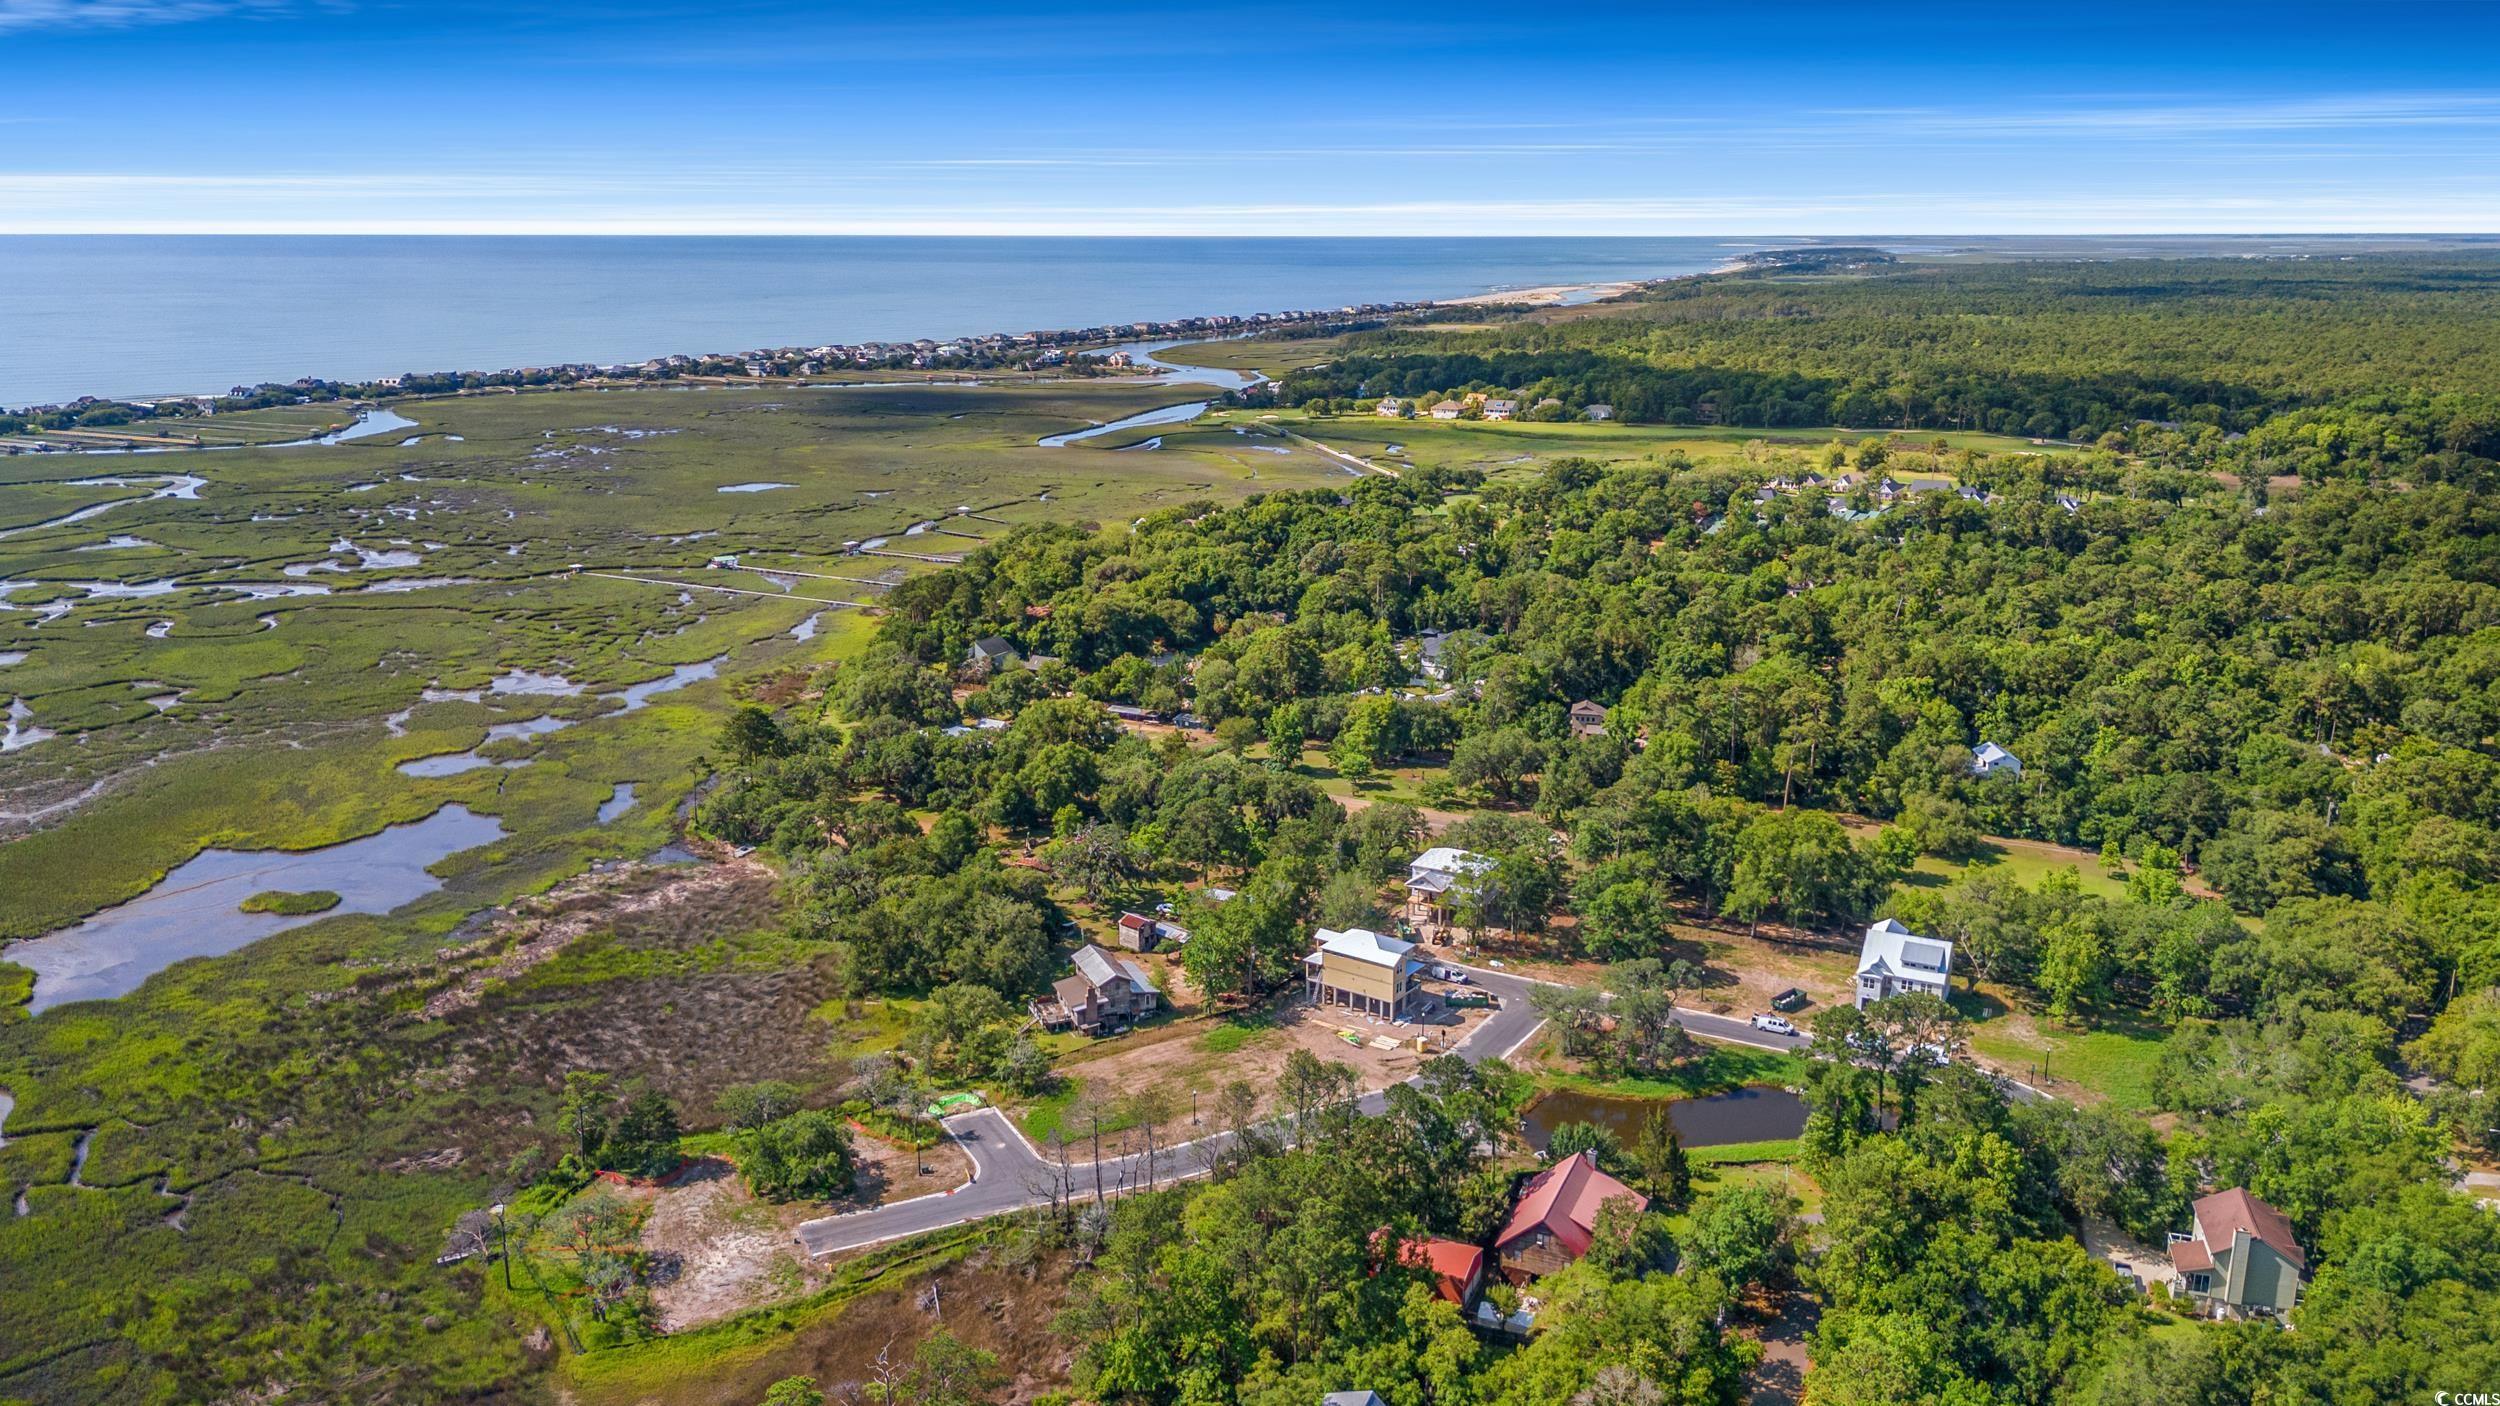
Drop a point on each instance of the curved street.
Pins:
(1010, 1174)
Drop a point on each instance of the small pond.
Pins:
(1755, 1113)
(193, 911)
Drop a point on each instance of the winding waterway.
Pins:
(194, 911)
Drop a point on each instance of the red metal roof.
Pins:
(2225, 1212)
(1563, 1200)
(1454, 1264)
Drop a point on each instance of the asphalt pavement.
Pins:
(1011, 1174)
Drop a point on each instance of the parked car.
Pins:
(1450, 974)
(1791, 999)
(1776, 1024)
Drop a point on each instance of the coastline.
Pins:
(479, 304)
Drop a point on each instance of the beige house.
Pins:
(2240, 1258)
(1364, 971)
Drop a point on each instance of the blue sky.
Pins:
(759, 116)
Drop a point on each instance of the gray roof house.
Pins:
(1430, 647)
(1894, 960)
(1107, 993)
(989, 652)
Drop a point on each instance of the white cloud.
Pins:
(19, 15)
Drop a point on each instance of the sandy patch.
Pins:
(717, 1250)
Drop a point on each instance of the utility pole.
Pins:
(1097, 1122)
(503, 1239)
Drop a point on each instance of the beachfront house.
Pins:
(1106, 994)
(1598, 412)
(1447, 410)
(1987, 759)
(1439, 878)
(2240, 1257)
(1893, 960)
(1556, 1218)
(1363, 971)
(1390, 408)
(1500, 409)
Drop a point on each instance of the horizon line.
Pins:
(824, 232)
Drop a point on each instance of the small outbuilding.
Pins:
(1987, 759)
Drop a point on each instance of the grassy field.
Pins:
(2109, 1057)
(1498, 446)
(1713, 1069)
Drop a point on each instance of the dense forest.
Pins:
(2272, 712)
(2364, 366)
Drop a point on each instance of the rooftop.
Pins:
(2223, 1214)
(1442, 859)
(1363, 945)
(1564, 1198)
(1890, 947)
(1100, 967)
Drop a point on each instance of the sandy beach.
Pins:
(1555, 295)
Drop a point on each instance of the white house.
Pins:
(1894, 960)
(1441, 874)
(1987, 759)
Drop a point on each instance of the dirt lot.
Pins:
(720, 1251)
(1201, 1056)
(888, 1173)
(1001, 1307)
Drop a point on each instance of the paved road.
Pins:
(1010, 1174)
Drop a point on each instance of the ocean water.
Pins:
(130, 315)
